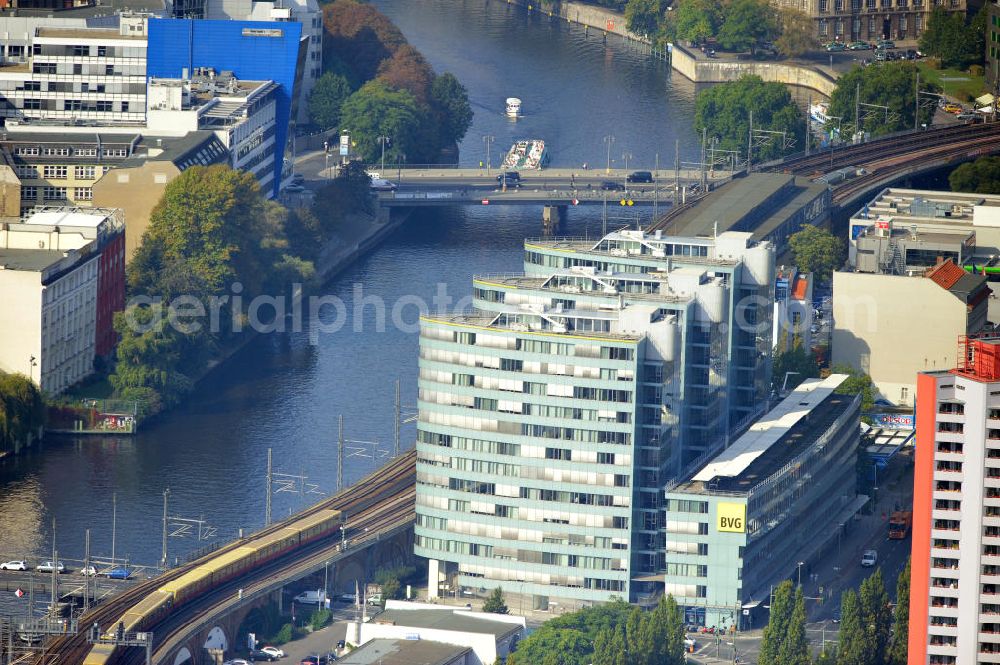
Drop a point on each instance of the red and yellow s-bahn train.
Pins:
(215, 571)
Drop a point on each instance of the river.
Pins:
(286, 393)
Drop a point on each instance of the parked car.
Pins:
(311, 597)
(375, 599)
(347, 598)
(886, 43)
(274, 651)
(869, 558)
(48, 566)
(612, 186)
(14, 565)
(953, 108)
(911, 54)
(257, 655)
(967, 115)
(858, 46)
(640, 176)
(236, 661)
(836, 46)
(295, 189)
(881, 55)
(298, 178)
(89, 571)
(314, 660)
(118, 573)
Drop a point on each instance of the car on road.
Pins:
(89, 571)
(869, 558)
(118, 573)
(509, 178)
(347, 598)
(380, 185)
(236, 661)
(912, 54)
(640, 176)
(316, 660)
(48, 567)
(375, 599)
(274, 651)
(311, 597)
(295, 189)
(858, 46)
(612, 186)
(836, 47)
(298, 178)
(951, 107)
(881, 55)
(966, 115)
(886, 43)
(13, 565)
(258, 655)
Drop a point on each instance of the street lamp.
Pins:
(326, 158)
(609, 140)
(801, 563)
(383, 140)
(163, 560)
(32, 364)
(488, 140)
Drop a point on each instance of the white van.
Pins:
(311, 597)
(375, 599)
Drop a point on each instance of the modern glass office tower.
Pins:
(553, 414)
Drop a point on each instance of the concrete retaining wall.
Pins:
(717, 71)
(601, 18)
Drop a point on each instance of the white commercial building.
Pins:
(51, 284)
(74, 75)
(490, 636)
(240, 113)
(306, 12)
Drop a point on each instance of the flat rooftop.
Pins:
(772, 441)
(925, 206)
(85, 217)
(486, 321)
(530, 283)
(460, 621)
(29, 260)
(403, 652)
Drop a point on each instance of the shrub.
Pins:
(283, 635)
(976, 70)
(320, 618)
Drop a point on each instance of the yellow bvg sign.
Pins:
(732, 517)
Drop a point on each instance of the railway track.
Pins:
(860, 155)
(72, 649)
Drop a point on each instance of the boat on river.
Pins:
(819, 114)
(513, 107)
(526, 154)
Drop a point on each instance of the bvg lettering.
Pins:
(731, 522)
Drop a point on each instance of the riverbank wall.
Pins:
(715, 70)
(682, 60)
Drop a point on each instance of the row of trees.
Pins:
(958, 43)
(615, 633)
(979, 177)
(22, 410)
(881, 98)
(213, 237)
(739, 25)
(378, 85)
(871, 631)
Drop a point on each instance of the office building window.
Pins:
(84, 172)
(52, 172)
(54, 193)
(56, 152)
(29, 193)
(102, 51)
(83, 194)
(81, 50)
(34, 86)
(32, 104)
(77, 68)
(26, 172)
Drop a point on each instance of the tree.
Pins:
(797, 363)
(901, 620)
(796, 32)
(980, 177)
(794, 649)
(22, 410)
(851, 646)
(407, 69)
(856, 383)
(450, 103)
(747, 23)
(360, 36)
(644, 17)
(890, 85)
(724, 111)
(376, 110)
(817, 251)
(697, 20)
(495, 603)
(876, 616)
(948, 38)
(777, 628)
(148, 355)
(674, 652)
(326, 98)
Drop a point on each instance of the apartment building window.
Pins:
(823, 6)
(904, 393)
(85, 152)
(838, 5)
(29, 193)
(855, 5)
(84, 172)
(838, 28)
(83, 194)
(54, 193)
(27, 151)
(114, 152)
(27, 172)
(55, 172)
(886, 4)
(56, 152)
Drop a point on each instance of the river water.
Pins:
(284, 392)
